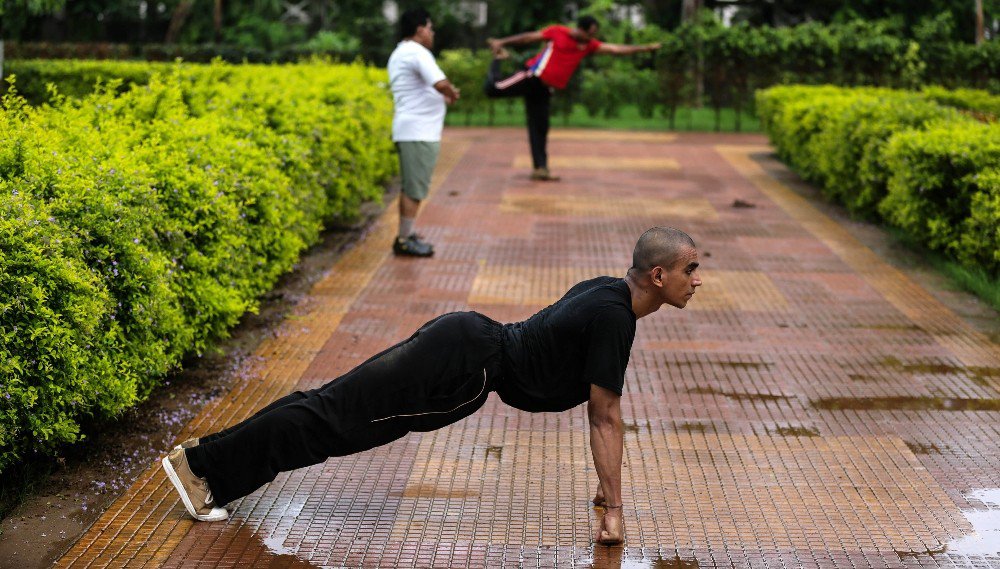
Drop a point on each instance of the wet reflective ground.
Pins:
(813, 406)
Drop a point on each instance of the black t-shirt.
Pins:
(585, 338)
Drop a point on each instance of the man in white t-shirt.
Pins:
(420, 91)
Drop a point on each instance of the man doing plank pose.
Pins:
(571, 352)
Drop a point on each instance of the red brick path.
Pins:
(813, 406)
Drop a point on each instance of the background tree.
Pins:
(14, 12)
(979, 22)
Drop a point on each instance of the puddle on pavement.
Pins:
(635, 428)
(905, 554)
(744, 365)
(265, 552)
(276, 545)
(905, 404)
(913, 327)
(432, 491)
(981, 375)
(864, 377)
(494, 452)
(793, 431)
(921, 448)
(616, 557)
(985, 537)
(695, 427)
(739, 396)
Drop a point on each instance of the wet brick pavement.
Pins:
(813, 406)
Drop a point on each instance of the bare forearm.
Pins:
(450, 92)
(607, 439)
(519, 39)
(618, 49)
(630, 49)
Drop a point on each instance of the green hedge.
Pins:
(980, 103)
(137, 227)
(848, 153)
(320, 46)
(76, 78)
(924, 167)
(945, 188)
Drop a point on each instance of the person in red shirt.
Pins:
(549, 70)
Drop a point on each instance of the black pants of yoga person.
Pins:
(537, 104)
(440, 375)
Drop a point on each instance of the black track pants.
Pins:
(441, 374)
(537, 103)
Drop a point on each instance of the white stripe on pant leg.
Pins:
(438, 412)
(520, 75)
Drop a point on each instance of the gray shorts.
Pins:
(416, 164)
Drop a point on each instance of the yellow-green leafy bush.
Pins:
(848, 153)
(944, 190)
(74, 77)
(138, 225)
(977, 102)
(924, 167)
(794, 116)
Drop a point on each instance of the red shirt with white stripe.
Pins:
(561, 56)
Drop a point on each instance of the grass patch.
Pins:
(973, 280)
(510, 112)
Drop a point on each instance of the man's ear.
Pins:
(657, 274)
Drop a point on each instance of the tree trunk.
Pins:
(689, 11)
(217, 20)
(699, 78)
(980, 37)
(689, 8)
(177, 20)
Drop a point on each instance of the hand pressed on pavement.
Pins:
(599, 496)
(611, 530)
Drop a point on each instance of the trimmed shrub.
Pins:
(138, 224)
(772, 106)
(981, 104)
(76, 78)
(926, 168)
(847, 153)
(58, 350)
(943, 190)
(795, 116)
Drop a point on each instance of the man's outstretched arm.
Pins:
(607, 439)
(618, 49)
(516, 39)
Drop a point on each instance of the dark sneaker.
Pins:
(543, 175)
(412, 246)
(194, 491)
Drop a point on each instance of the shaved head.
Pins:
(660, 246)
